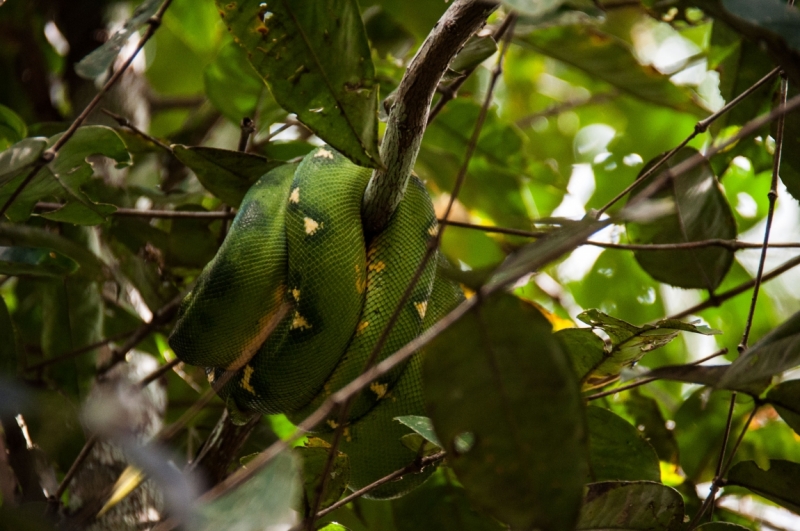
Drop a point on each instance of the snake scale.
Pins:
(297, 242)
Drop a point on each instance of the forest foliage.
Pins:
(629, 161)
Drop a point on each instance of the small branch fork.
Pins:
(50, 154)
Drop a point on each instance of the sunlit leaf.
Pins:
(617, 451)
(701, 213)
(316, 60)
(780, 483)
(635, 505)
(509, 385)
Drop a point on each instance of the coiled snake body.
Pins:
(298, 239)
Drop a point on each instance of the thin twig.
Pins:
(73, 469)
(411, 468)
(158, 373)
(78, 352)
(161, 316)
(772, 195)
(699, 127)
(719, 298)
(160, 214)
(644, 381)
(124, 122)
(152, 25)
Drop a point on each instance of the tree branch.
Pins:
(409, 113)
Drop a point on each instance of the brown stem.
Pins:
(124, 122)
(409, 113)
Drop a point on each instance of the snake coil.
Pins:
(298, 241)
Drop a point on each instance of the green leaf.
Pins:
(785, 397)
(790, 157)
(226, 174)
(608, 58)
(617, 451)
(65, 176)
(268, 496)
(772, 354)
(499, 374)
(647, 417)
(421, 425)
(780, 483)
(710, 375)
(12, 128)
(535, 255)
(19, 157)
(701, 213)
(13, 235)
(629, 343)
(586, 350)
(440, 503)
(636, 505)
(100, 60)
(476, 51)
(314, 459)
(79, 214)
(35, 261)
(316, 60)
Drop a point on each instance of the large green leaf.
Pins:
(610, 59)
(12, 235)
(785, 397)
(226, 174)
(500, 375)
(635, 505)
(314, 458)
(440, 503)
(35, 261)
(267, 497)
(617, 451)
(648, 418)
(701, 213)
(772, 354)
(19, 157)
(316, 60)
(779, 483)
(710, 375)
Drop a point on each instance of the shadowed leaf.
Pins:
(780, 483)
(617, 451)
(785, 397)
(636, 505)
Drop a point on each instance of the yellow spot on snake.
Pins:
(433, 230)
(361, 327)
(332, 423)
(378, 266)
(295, 197)
(296, 294)
(323, 153)
(346, 433)
(311, 226)
(248, 372)
(361, 282)
(300, 322)
(379, 389)
(421, 307)
(468, 293)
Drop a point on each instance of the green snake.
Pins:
(297, 242)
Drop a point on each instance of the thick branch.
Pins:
(409, 113)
